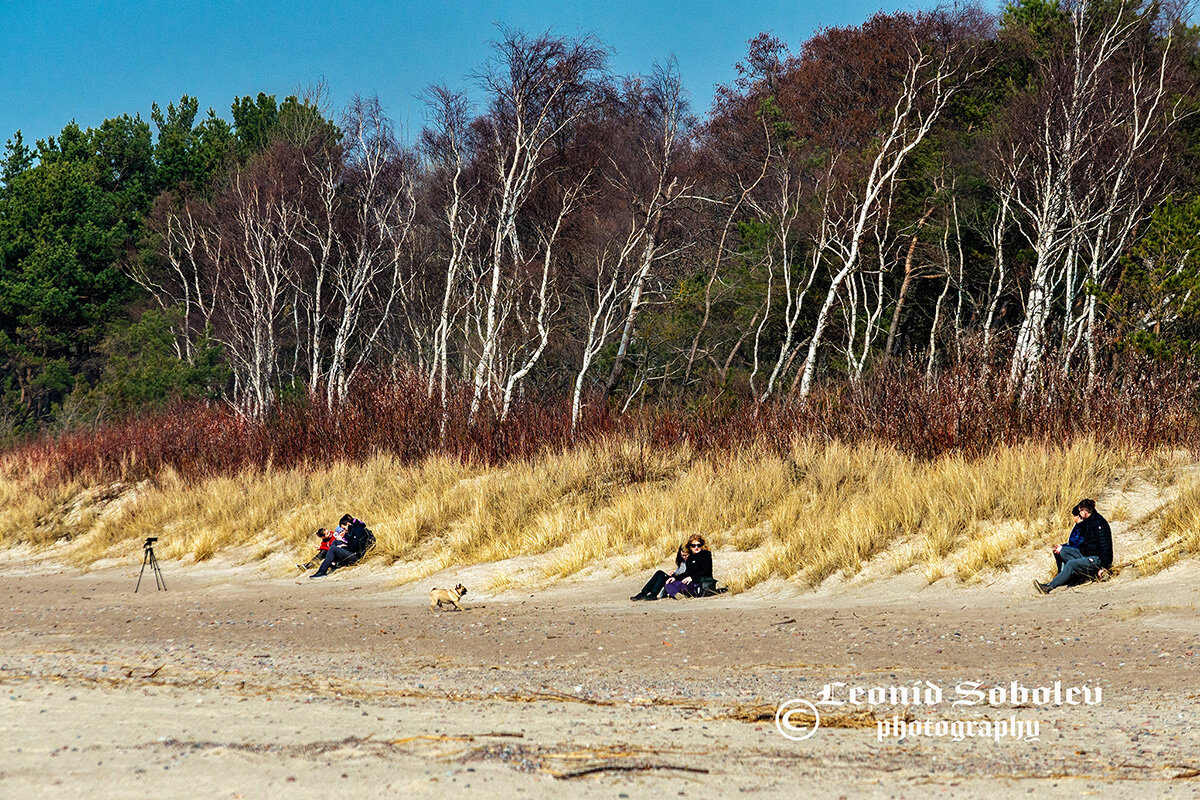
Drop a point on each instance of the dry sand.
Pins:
(244, 681)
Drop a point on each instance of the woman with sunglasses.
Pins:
(693, 561)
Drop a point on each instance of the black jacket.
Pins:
(699, 565)
(1097, 539)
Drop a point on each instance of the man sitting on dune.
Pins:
(1087, 554)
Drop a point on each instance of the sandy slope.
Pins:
(247, 682)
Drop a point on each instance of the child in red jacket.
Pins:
(327, 538)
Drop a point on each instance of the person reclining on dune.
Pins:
(1088, 553)
(326, 538)
(337, 550)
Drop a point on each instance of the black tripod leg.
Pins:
(145, 558)
(159, 581)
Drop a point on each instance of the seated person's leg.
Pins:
(334, 557)
(676, 588)
(1075, 569)
(653, 586)
(1067, 553)
(1086, 568)
(343, 557)
(325, 562)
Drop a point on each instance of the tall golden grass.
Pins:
(1179, 532)
(810, 512)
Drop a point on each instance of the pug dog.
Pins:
(447, 596)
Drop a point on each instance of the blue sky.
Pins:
(92, 60)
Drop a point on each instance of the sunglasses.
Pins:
(693, 544)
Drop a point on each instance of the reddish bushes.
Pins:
(1140, 404)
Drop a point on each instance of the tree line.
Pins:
(1014, 190)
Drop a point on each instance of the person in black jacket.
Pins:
(698, 565)
(693, 562)
(339, 551)
(653, 588)
(1092, 558)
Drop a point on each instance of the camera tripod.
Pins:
(148, 558)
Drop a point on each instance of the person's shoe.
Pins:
(637, 597)
(317, 575)
(1041, 587)
(302, 566)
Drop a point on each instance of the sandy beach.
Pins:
(246, 681)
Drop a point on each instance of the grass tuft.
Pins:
(1179, 533)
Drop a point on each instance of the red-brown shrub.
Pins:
(1140, 404)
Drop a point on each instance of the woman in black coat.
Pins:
(693, 561)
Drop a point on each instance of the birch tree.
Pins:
(261, 225)
(538, 88)
(449, 146)
(928, 83)
(652, 185)
(1087, 166)
(369, 273)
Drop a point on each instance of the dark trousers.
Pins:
(1073, 566)
(677, 588)
(655, 585)
(335, 557)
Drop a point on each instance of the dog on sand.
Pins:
(451, 597)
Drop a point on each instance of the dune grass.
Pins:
(808, 512)
(1179, 532)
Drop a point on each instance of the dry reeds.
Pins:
(812, 512)
(1179, 532)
